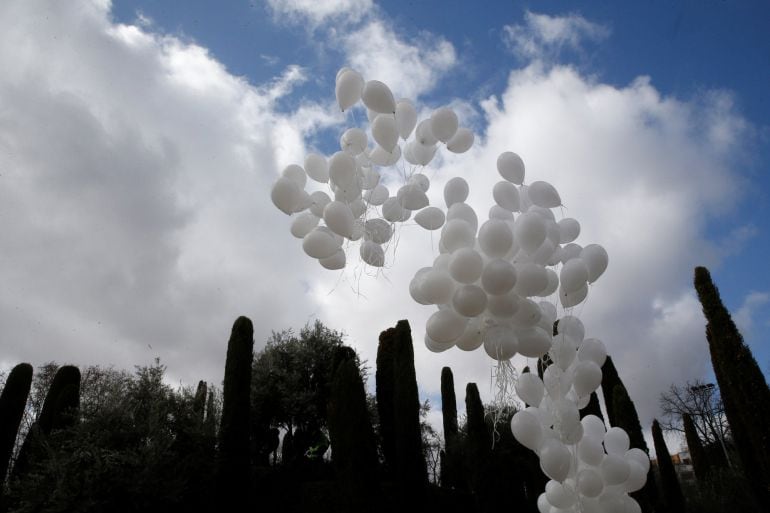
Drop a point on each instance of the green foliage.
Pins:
(610, 380)
(291, 385)
(142, 449)
(672, 491)
(233, 473)
(451, 467)
(698, 456)
(742, 385)
(12, 403)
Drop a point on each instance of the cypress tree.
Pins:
(354, 452)
(593, 407)
(479, 443)
(63, 393)
(627, 418)
(672, 492)
(450, 463)
(610, 380)
(410, 463)
(12, 403)
(233, 462)
(199, 401)
(744, 390)
(700, 464)
(384, 377)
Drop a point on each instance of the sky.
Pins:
(139, 141)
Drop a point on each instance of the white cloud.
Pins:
(318, 12)
(410, 67)
(543, 36)
(744, 316)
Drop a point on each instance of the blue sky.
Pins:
(139, 142)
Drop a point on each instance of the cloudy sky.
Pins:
(139, 141)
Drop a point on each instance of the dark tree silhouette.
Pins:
(672, 491)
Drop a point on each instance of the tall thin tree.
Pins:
(12, 403)
(672, 491)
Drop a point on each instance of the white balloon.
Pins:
(406, 118)
(378, 195)
(415, 286)
(614, 469)
(334, 262)
(286, 194)
(392, 210)
(588, 377)
(506, 195)
(570, 299)
(574, 275)
(472, 337)
(543, 506)
(543, 194)
(500, 342)
(430, 218)
(424, 133)
(445, 326)
(303, 223)
(384, 131)
(498, 277)
(555, 459)
(511, 167)
(317, 168)
(596, 259)
(594, 426)
(570, 251)
(616, 441)
(465, 212)
(348, 89)
(498, 212)
(534, 342)
(529, 231)
(419, 154)
(638, 456)
(593, 350)
(377, 96)
(348, 193)
(372, 253)
(457, 234)
(319, 244)
(353, 141)
(563, 350)
(369, 178)
(461, 142)
(530, 388)
(318, 201)
(339, 218)
(503, 306)
(572, 327)
(358, 230)
(590, 450)
(495, 238)
(378, 230)
(443, 123)
(561, 495)
(553, 284)
(342, 169)
(466, 265)
(455, 191)
(469, 300)
(436, 347)
(527, 314)
(569, 229)
(527, 430)
(530, 279)
(437, 287)
(384, 158)
(295, 173)
(358, 207)
(589, 483)
(412, 197)
(636, 478)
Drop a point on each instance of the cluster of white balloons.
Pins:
(490, 281)
(357, 207)
(591, 469)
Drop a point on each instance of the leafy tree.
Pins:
(291, 386)
(385, 386)
(451, 467)
(143, 449)
(12, 402)
(700, 464)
